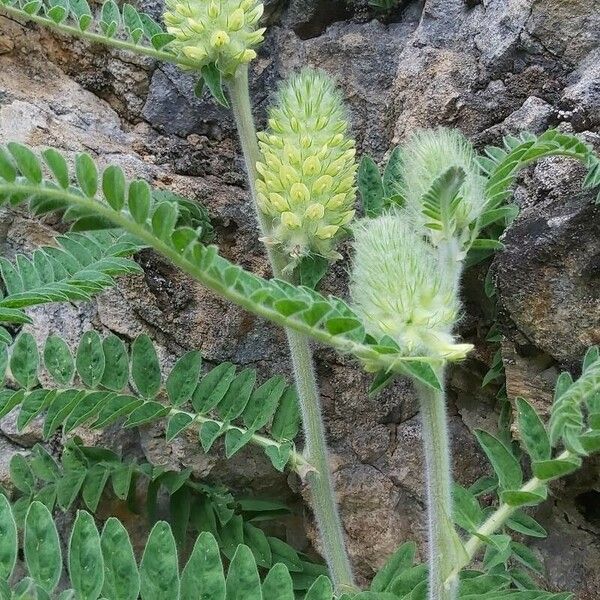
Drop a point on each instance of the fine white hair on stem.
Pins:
(399, 290)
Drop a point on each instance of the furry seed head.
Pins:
(306, 182)
(223, 32)
(427, 156)
(399, 290)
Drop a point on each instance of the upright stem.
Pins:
(319, 481)
(442, 535)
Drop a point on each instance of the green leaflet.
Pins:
(159, 575)
(58, 360)
(145, 369)
(8, 539)
(24, 360)
(121, 578)
(116, 363)
(202, 578)
(90, 361)
(468, 514)
(532, 431)
(42, 547)
(278, 584)
(86, 565)
(243, 582)
(370, 186)
(505, 465)
(183, 378)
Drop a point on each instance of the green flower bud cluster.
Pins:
(429, 154)
(215, 31)
(306, 185)
(399, 290)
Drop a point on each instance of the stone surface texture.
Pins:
(489, 68)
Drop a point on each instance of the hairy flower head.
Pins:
(399, 290)
(426, 159)
(223, 32)
(306, 184)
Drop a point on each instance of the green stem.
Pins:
(319, 480)
(442, 535)
(296, 461)
(100, 38)
(497, 519)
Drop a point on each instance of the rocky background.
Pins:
(489, 68)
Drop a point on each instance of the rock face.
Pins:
(489, 68)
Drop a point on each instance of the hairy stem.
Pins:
(442, 535)
(320, 482)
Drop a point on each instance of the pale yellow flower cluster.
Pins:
(223, 32)
(306, 186)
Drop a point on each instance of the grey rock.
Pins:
(173, 107)
(309, 18)
(581, 99)
(547, 278)
(534, 116)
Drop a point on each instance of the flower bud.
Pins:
(222, 32)
(427, 156)
(307, 134)
(399, 290)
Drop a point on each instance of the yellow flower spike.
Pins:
(225, 29)
(307, 118)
